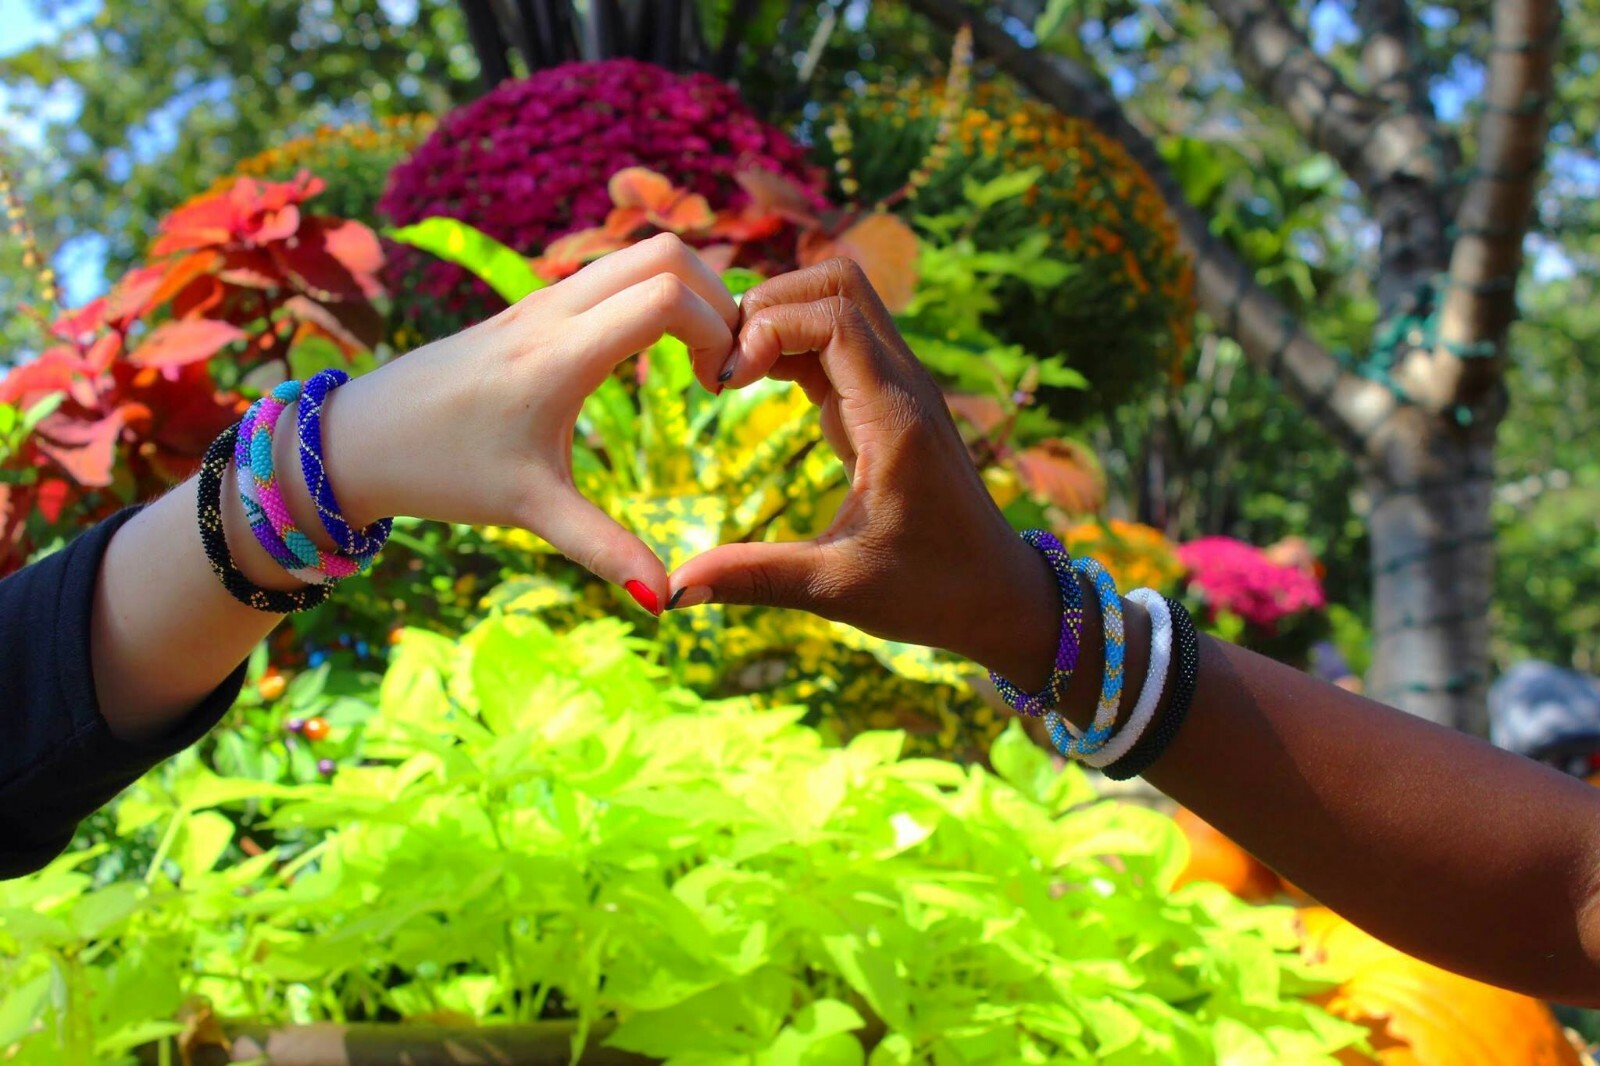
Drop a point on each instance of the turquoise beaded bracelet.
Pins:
(1105, 716)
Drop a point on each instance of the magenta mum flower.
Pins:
(1238, 577)
(529, 162)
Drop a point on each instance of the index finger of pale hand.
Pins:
(619, 271)
(635, 318)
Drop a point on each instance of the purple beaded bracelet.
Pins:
(1035, 704)
(355, 542)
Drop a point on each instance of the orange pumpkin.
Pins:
(1214, 857)
(1420, 1015)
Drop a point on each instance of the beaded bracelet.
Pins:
(1034, 704)
(1186, 675)
(362, 543)
(254, 513)
(215, 541)
(1155, 680)
(1105, 715)
(255, 445)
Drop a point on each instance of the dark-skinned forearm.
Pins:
(1450, 849)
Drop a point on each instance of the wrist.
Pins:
(1012, 621)
(1016, 628)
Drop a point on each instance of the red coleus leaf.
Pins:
(718, 257)
(103, 353)
(52, 498)
(664, 206)
(202, 222)
(983, 413)
(186, 411)
(750, 224)
(251, 268)
(775, 194)
(332, 260)
(57, 370)
(15, 502)
(79, 325)
(189, 341)
(86, 450)
(134, 295)
(884, 246)
(183, 272)
(624, 223)
(354, 325)
(566, 254)
(200, 299)
(246, 213)
(1063, 472)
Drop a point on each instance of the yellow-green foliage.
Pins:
(1126, 312)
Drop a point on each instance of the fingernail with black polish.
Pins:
(690, 596)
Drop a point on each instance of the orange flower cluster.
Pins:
(1132, 297)
(1137, 555)
(1102, 206)
(354, 160)
(397, 134)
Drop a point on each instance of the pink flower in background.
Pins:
(1241, 578)
(529, 162)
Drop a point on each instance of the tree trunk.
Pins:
(1430, 485)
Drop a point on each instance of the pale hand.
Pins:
(477, 428)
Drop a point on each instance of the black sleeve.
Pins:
(58, 758)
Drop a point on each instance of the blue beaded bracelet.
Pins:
(1105, 716)
(363, 542)
(1044, 701)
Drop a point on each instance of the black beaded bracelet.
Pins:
(241, 588)
(1186, 670)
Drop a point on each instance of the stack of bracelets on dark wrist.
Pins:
(250, 444)
(1173, 671)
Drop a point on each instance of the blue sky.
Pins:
(19, 26)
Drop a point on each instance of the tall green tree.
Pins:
(1420, 408)
(141, 105)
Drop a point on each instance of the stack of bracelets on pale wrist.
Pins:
(250, 445)
(1173, 670)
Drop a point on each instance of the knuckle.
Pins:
(666, 292)
(593, 557)
(667, 247)
(846, 273)
(849, 325)
(522, 309)
(764, 588)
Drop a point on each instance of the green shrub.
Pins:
(542, 826)
(1123, 311)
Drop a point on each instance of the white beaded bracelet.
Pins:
(1155, 680)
